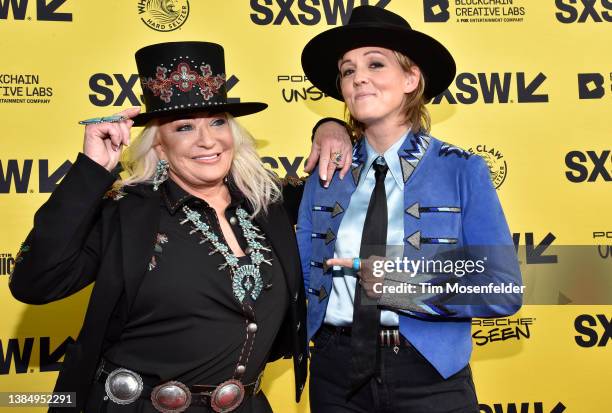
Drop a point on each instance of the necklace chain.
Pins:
(246, 279)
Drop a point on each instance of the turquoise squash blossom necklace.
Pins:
(246, 279)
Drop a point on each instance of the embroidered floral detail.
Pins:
(152, 263)
(160, 239)
(209, 84)
(22, 249)
(161, 72)
(115, 194)
(160, 85)
(185, 79)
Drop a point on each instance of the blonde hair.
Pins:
(414, 109)
(260, 187)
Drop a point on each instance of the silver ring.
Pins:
(336, 158)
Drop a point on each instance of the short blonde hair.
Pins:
(260, 187)
(414, 109)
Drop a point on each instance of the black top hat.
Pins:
(183, 77)
(375, 26)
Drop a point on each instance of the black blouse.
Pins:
(185, 323)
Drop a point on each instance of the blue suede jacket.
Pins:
(448, 198)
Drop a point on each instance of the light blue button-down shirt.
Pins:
(340, 307)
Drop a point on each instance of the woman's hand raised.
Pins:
(102, 142)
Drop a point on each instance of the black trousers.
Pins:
(407, 382)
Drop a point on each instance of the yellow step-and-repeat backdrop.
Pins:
(532, 96)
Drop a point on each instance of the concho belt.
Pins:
(124, 386)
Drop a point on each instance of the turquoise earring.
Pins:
(161, 173)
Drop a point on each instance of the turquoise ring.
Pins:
(356, 264)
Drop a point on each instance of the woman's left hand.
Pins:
(367, 278)
(330, 139)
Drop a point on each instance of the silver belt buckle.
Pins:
(123, 386)
(227, 396)
(171, 397)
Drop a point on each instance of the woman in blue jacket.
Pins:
(395, 335)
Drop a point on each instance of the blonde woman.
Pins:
(197, 276)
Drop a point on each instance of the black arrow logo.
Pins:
(536, 255)
(229, 84)
(49, 360)
(526, 94)
(558, 408)
(47, 11)
(47, 183)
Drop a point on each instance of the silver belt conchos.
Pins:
(125, 386)
(171, 397)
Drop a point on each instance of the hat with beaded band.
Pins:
(185, 77)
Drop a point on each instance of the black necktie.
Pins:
(366, 314)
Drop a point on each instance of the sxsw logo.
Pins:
(436, 11)
(592, 85)
(495, 88)
(46, 10)
(17, 353)
(118, 89)
(522, 407)
(534, 252)
(593, 330)
(14, 175)
(588, 167)
(581, 11)
(285, 165)
(306, 12)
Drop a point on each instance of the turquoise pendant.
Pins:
(247, 280)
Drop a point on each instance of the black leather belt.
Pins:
(387, 337)
(124, 386)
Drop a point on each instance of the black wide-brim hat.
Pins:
(185, 77)
(375, 26)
